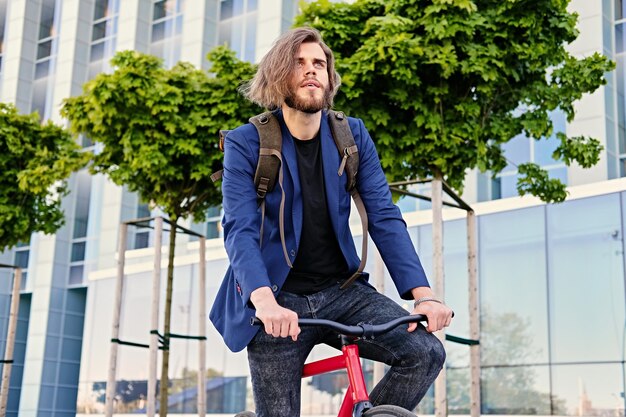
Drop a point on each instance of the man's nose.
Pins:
(309, 68)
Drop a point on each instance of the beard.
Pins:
(308, 104)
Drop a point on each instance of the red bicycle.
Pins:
(356, 402)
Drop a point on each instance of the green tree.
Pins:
(35, 161)
(159, 128)
(443, 84)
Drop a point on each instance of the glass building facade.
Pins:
(552, 302)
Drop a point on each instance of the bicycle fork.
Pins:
(356, 400)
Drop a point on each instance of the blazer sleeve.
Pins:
(385, 223)
(242, 218)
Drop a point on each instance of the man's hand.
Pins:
(278, 321)
(438, 314)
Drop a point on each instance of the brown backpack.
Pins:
(268, 170)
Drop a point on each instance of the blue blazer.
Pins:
(252, 267)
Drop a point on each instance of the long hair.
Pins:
(271, 83)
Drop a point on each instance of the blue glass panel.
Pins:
(71, 349)
(46, 19)
(226, 9)
(160, 10)
(619, 38)
(73, 325)
(545, 147)
(46, 397)
(105, 8)
(76, 274)
(508, 186)
(49, 372)
(44, 49)
(517, 151)
(238, 7)
(585, 252)
(250, 37)
(52, 348)
(42, 70)
(68, 373)
(512, 268)
(559, 174)
(21, 258)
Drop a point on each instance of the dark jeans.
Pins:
(276, 363)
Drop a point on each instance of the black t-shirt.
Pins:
(319, 262)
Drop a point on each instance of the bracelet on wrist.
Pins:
(425, 299)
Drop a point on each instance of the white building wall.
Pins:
(590, 117)
(199, 31)
(20, 52)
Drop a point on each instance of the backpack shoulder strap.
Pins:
(270, 146)
(350, 163)
(345, 145)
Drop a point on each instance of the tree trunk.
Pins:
(167, 320)
(8, 353)
(441, 400)
(474, 313)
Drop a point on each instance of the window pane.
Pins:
(237, 7)
(99, 31)
(588, 390)
(44, 49)
(142, 240)
(97, 52)
(159, 10)
(101, 10)
(585, 252)
(520, 390)
(46, 23)
(76, 274)
(212, 230)
(508, 186)
(517, 151)
(458, 383)
(78, 251)
(42, 69)
(226, 9)
(250, 37)
(158, 31)
(512, 331)
(38, 104)
(619, 38)
(81, 212)
(545, 147)
(21, 258)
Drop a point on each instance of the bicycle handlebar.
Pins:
(360, 330)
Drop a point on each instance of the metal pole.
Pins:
(474, 313)
(379, 282)
(117, 310)
(441, 401)
(202, 331)
(154, 323)
(8, 354)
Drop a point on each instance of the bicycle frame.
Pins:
(356, 398)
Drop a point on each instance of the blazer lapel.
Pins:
(330, 160)
(290, 172)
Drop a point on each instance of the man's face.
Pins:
(309, 84)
